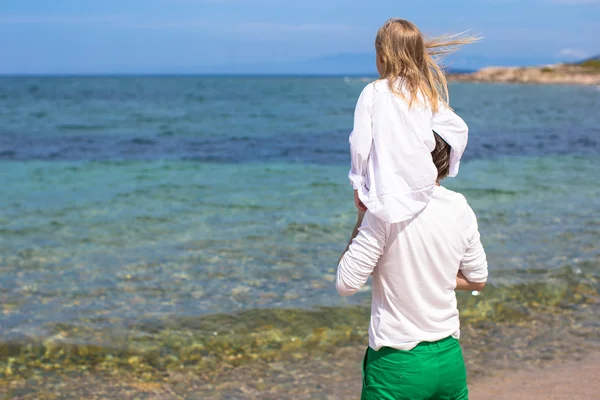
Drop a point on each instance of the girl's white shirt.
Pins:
(390, 148)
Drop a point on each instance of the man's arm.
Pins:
(359, 220)
(474, 266)
(363, 252)
(462, 283)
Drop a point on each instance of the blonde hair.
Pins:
(405, 53)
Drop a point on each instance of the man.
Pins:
(416, 266)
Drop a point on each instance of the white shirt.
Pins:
(414, 266)
(390, 148)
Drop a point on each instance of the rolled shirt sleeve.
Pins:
(474, 263)
(358, 263)
(361, 138)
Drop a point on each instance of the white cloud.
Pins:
(572, 53)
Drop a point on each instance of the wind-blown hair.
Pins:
(406, 53)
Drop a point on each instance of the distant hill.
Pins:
(358, 64)
(593, 62)
(354, 64)
(585, 72)
(595, 58)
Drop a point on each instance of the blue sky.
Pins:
(111, 36)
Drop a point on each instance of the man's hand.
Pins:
(359, 204)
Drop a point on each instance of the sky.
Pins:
(238, 36)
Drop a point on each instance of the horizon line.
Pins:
(200, 74)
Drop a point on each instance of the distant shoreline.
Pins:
(558, 74)
(587, 73)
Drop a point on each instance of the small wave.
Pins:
(152, 219)
(143, 141)
(348, 79)
(324, 184)
(308, 228)
(39, 114)
(32, 89)
(236, 206)
(7, 154)
(489, 192)
(199, 99)
(81, 127)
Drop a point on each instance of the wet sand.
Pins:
(572, 381)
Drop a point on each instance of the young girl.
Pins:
(392, 172)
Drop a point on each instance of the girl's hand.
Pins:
(359, 204)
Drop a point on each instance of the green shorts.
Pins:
(431, 370)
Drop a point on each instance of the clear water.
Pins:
(126, 198)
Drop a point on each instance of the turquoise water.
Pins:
(131, 199)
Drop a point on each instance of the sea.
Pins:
(157, 222)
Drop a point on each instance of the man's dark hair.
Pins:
(441, 157)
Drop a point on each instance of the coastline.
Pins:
(542, 355)
(559, 74)
(336, 376)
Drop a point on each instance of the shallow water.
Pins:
(148, 213)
